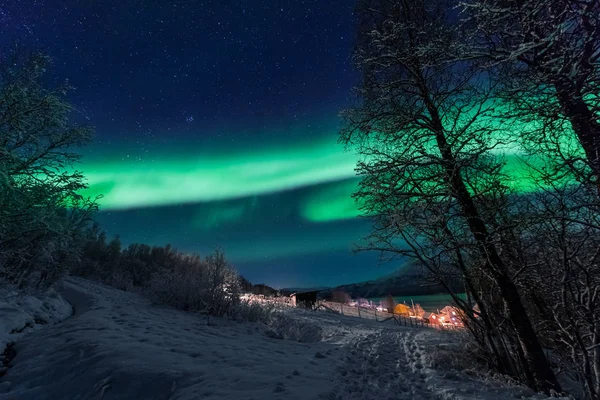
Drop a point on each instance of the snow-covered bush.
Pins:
(302, 330)
(457, 353)
(167, 276)
(122, 282)
(209, 286)
(248, 311)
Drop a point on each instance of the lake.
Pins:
(429, 302)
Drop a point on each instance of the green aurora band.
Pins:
(178, 172)
(133, 179)
(276, 205)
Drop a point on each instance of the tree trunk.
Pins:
(543, 376)
(584, 122)
(596, 359)
(532, 349)
(490, 329)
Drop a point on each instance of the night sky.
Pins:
(216, 124)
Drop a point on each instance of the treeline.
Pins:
(185, 281)
(140, 266)
(449, 91)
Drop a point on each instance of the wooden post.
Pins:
(375, 314)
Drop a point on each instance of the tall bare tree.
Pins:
(431, 179)
(563, 283)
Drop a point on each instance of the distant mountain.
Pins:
(403, 282)
(288, 291)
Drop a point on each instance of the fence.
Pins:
(380, 316)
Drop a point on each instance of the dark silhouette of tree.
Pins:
(431, 182)
(42, 215)
(389, 303)
(547, 54)
(340, 296)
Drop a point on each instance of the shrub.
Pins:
(208, 286)
(248, 311)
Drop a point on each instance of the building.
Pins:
(452, 316)
(304, 299)
(403, 310)
(431, 318)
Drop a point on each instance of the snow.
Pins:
(22, 313)
(117, 345)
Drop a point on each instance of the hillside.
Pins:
(117, 345)
(404, 282)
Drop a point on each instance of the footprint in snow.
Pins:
(279, 388)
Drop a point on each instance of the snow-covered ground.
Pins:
(22, 313)
(117, 345)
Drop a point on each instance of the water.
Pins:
(430, 302)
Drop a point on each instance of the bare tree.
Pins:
(340, 296)
(564, 243)
(389, 303)
(432, 181)
(547, 57)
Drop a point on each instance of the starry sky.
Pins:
(216, 125)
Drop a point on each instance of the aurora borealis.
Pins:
(156, 178)
(266, 207)
(216, 125)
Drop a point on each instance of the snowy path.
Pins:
(383, 363)
(119, 346)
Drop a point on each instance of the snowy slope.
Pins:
(119, 346)
(22, 313)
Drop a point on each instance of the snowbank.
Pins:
(22, 313)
